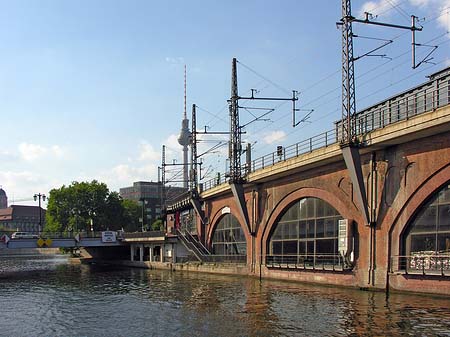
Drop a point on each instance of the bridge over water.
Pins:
(377, 216)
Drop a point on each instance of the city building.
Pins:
(22, 218)
(3, 199)
(150, 193)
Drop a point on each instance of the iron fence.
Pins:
(314, 262)
(422, 263)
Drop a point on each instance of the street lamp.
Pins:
(36, 197)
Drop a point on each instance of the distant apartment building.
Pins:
(22, 218)
(150, 194)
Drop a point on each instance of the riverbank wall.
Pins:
(29, 251)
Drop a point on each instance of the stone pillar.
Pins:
(162, 252)
(141, 253)
(132, 252)
(150, 253)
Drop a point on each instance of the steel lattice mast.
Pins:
(235, 146)
(348, 76)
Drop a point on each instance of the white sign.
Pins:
(226, 210)
(109, 236)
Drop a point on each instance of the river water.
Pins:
(47, 296)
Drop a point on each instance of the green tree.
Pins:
(157, 225)
(83, 205)
(132, 211)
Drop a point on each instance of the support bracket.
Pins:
(352, 160)
(239, 197)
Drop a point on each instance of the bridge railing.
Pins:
(149, 234)
(429, 96)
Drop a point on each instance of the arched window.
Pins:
(229, 238)
(306, 235)
(429, 231)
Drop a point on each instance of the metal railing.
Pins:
(422, 264)
(51, 235)
(315, 262)
(149, 234)
(429, 96)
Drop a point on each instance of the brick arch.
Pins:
(215, 221)
(414, 203)
(346, 211)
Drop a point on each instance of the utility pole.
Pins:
(235, 146)
(348, 75)
(349, 135)
(163, 177)
(194, 175)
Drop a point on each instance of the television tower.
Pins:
(185, 137)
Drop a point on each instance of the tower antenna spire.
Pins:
(185, 114)
(185, 137)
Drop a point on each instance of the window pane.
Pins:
(302, 247)
(310, 229)
(320, 209)
(277, 233)
(444, 218)
(320, 231)
(423, 243)
(276, 247)
(330, 227)
(293, 230)
(302, 229)
(444, 243)
(444, 195)
(426, 221)
(303, 212)
(310, 247)
(310, 208)
(326, 246)
(290, 247)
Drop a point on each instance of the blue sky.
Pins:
(92, 89)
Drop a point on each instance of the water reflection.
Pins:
(60, 299)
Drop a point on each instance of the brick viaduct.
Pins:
(403, 164)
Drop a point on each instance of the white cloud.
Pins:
(23, 185)
(377, 7)
(175, 60)
(275, 136)
(173, 148)
(7, 156)
(124, 175)
(147, 152)
(57, 151)
(444, 20)
(31, 152)
(420, 3)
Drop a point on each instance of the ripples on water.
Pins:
(46, 296)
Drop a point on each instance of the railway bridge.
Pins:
(303, 213)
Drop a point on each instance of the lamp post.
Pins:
(40, 196)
